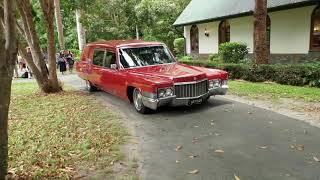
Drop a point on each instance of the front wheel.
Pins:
(137, 102)
(90, 87)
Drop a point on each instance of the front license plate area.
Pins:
(195, 101)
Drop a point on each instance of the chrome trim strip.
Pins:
(187, 98)
(190, 82)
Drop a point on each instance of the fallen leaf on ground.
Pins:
(300, 147)
(194, 140)
(178, 148)
(219, 151)
(236, 177)
(263, 147)
(196, 171)
(193, 156)
(316, 159)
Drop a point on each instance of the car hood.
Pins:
(175, 72)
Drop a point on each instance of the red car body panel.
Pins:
(148, 78)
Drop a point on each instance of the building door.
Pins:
(315, 30)
(194, 39)
(224, 32)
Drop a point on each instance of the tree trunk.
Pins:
(137, 33)
(59, 24)
(261, 53)
(47, 7)
(31, 35)
(8, 55)
(48, 82)
(80, 31)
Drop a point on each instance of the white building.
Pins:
(293, 27)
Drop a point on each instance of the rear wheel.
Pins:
(137, 102)
(90, 87)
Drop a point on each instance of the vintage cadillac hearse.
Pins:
(147, 74)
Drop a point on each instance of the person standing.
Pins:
(62, 64)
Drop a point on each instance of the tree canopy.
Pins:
(117, 19)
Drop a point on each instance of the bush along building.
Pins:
(293, 27)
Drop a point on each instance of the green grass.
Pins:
(274, 91)
(57, 136)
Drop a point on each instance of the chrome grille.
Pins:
(191, 90)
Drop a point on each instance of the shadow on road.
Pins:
(212, 103)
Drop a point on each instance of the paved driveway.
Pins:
(257, 144)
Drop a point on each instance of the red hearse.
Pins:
(147, 74)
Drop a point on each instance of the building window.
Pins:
(224, 32)
(315, 30)
(194, 39)
(268, 32)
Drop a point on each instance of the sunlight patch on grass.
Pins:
(274, 91)
(60, 135)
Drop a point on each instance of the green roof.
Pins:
(199, 11)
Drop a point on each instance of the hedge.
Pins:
(291, 74)
(232, 52)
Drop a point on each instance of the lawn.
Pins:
(274, 91)
(60, 136)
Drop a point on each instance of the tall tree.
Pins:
(261, 53)
(80, 30)
(59, 23)
(47, 7)
(47, 82)
(8, 55)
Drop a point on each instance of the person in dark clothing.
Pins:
(70, 61)
(62, 64)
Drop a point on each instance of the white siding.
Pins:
(290, 30)
(187, 38)
(208, 45)
(241, 30)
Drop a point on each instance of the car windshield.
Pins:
(145, 56)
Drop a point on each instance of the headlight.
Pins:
(169, 92)
(214, 84)
(161, 93)
(165, 92)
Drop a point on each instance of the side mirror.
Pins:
(113, 66)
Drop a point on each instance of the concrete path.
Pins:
(257, 144)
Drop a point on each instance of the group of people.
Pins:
(65, 61)
(21, 70)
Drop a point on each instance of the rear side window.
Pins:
(98, 57)
(110, 59)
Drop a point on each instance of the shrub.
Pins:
(293, 74)
(232, 52)
(179, 46)
(186, 58)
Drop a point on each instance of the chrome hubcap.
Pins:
(137, 99)
(88, 85)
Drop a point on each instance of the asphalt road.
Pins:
(257, 144)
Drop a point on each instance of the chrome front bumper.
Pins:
(173, 101)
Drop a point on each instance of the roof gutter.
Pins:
(248, 13)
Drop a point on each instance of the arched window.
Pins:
(224, 32)
(315, 30)
(194, 39)
(268, 32)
